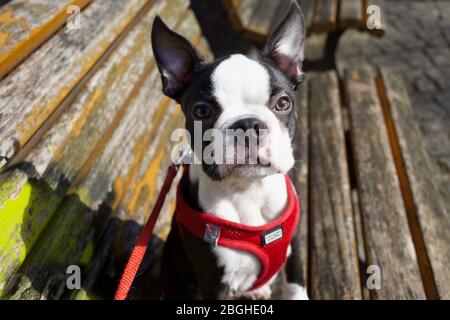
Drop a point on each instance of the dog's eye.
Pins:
(283, 104)
(201, 111)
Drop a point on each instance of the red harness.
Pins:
(268, 242)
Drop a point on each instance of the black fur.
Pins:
(189, 267)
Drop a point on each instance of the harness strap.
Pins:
(141, 246)
(262, 241)
(269, 242)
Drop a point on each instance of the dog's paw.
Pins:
(295, 292)
(263, 293)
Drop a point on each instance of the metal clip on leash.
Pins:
(141, 246)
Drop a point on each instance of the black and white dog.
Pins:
(233, 92)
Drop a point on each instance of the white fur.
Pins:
(239, 82)
(242, 88)
(251, 202)
(289, 45)
(295, 292)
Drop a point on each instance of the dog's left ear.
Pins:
(175, 57)
(285, 47)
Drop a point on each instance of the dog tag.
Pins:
(212, 234)
(272, 235)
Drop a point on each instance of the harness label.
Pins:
(211, 234)
(272, 235)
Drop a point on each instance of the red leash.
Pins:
(144, 239)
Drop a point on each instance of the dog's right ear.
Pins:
(285, 47)
(176, 58)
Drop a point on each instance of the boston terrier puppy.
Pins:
(234, 93)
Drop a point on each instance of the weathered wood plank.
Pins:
(104, 184)
(299, 266)
(26, 25)
(389, 244)
(148, 179)
(31, 192)
(205, 50)
(232, 9)
(360, 245)
(135, 207)
(139, 198)
(325, 15)
(82, 216)
(428, 218)
(351, 14)
(244, 12)
(231, 3)
(261, 19)
(139, 189)
(308, 8)
(30, 94)
(334, 264)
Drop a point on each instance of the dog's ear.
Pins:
(285, 47)
(175, 56)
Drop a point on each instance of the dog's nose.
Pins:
(257, 127)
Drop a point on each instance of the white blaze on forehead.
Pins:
(239, 82)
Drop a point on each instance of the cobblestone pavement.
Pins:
(417, 47)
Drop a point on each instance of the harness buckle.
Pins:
(212, 234)
(184, 153)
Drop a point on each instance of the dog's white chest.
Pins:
(254, 205)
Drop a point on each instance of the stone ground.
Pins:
(416, 46)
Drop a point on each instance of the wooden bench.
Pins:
(258, 18)
(84, 141)
(368, 193)
(24, 26)
(84, 133)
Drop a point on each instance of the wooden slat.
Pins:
(140, 197)
(232, 9)
(231, 3)
(379, 32)
(299, 268)
(365, 294)
(31, 192)
(245, 10)
(204, 48)
(389, 244)
(429, 220)
(149, 176)
(78, 219)
(33, 92)
(144, 181)
(308, 7)
(147, 181)
(351, 14)
(255, 17)
(26, 25)
(258, 18)
(325, 15)
(334, 264)
(258, 26)
(146, 123)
